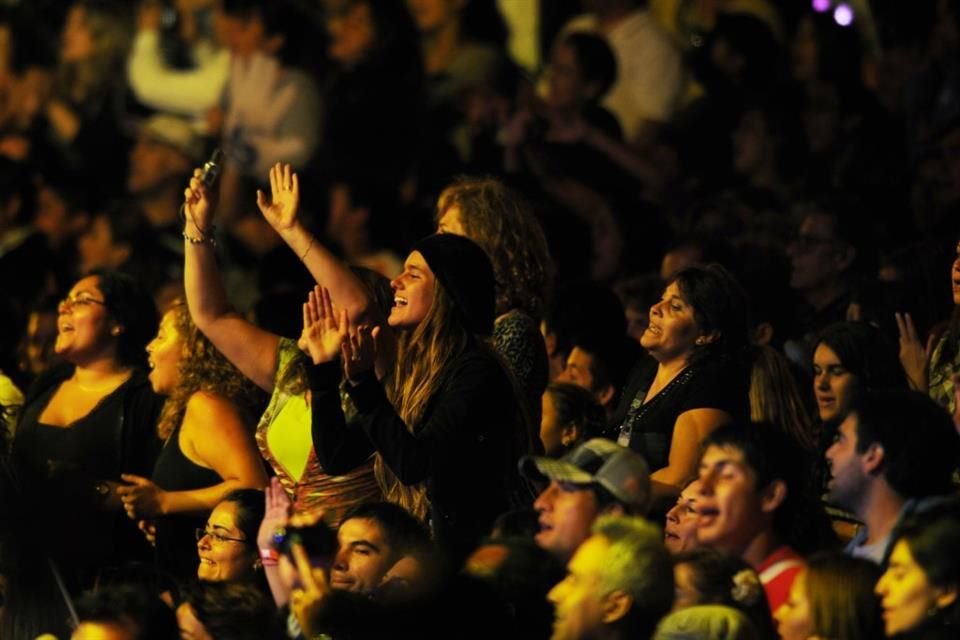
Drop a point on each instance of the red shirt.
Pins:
(777, 573)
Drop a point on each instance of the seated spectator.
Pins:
(579, 308)
(680, 529)
(521, 573)
(597, 478)
(850, 358)
(123, 613)
(708, 577)
(752, 503)
(832, 598)
(918, 591)
(893, 454)
(600, 365)
(707, 622)
(211, 611)
(619, 583)
(227, 545)
(571, 416)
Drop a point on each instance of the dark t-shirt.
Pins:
(647, 428)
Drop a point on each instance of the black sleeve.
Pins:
(462, 402)
(339, 449)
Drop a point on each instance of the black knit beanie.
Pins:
(465, 273)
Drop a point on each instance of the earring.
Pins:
(699, 341)
(257, 564)
(115, 331)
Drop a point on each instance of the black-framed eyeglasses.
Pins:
(219, 538)
(80, 300)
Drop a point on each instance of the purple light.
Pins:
(821, 6)
(843, 15)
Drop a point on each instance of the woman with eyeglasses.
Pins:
(227, 544)
(84, 424)
(207, 427)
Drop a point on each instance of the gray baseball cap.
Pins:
(621, 471)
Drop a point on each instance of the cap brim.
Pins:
(558, 470)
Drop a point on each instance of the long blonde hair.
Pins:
(85, 81)
(423, 361)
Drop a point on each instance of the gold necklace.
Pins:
(94, 389)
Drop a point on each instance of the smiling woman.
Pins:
(227, 544)
(86, 423)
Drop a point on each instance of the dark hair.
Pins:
(403, 532)
(866, 353)
(932, 538)
(773, 455)
(920, 443)
(234, 610)
(577, 406)
(583, 309)
(719, 306)
(141, 611)
(134, 310)
(842, 601)
(279, 18)
(723, 579)
(250, 510)
(595, 59)
(522, 581)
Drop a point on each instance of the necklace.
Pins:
(96, 388)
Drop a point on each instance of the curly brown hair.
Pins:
(203, 368)
(499, 220)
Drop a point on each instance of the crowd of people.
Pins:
(475, 318)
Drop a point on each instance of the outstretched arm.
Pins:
(328, 270)
(251, 349)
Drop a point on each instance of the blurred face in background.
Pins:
(351, 30)
(76, 39)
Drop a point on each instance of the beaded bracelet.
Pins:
(200, 240)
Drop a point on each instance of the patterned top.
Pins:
(517, 338)
(283, 437)
(941, 386)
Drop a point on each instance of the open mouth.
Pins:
(399, 301)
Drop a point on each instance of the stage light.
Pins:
(843, 15)
(821, 6)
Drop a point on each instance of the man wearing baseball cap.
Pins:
(597, 478)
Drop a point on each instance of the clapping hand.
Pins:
(281, 210)
(360, 352)
(276, 513)
(324, 330)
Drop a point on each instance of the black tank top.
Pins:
(176, 544)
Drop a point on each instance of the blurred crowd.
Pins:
(423, 318)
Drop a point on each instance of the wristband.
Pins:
(269, 557)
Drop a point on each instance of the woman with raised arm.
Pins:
(450, 420)
(274, 363)
(207, 426)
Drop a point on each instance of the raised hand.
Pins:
(281, 210)
(307, 600)
(276, 513)
(324, 329)
(360, 352)
(198, 205)
(141, 498)
(149, 530)
(914, 356)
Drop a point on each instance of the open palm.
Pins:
(324, 330)
(281, 210)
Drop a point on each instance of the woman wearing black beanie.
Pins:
(446, 426)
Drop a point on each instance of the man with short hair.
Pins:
(619, 583)
(599, 477)
(601, 367)
(123, 613)
(750, 479)
(891, 456)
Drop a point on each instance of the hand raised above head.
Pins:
(198, 205)
(281, 210)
